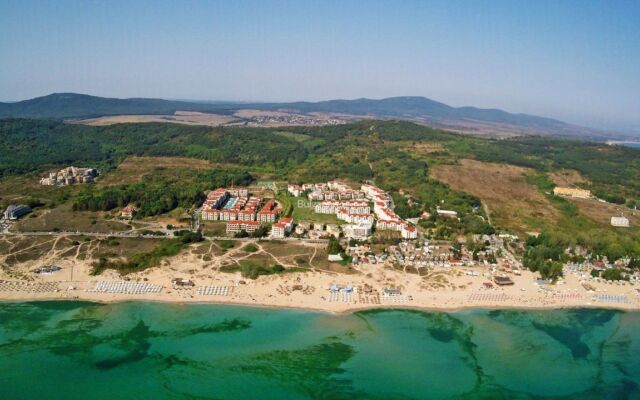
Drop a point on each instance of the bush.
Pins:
(250, 248)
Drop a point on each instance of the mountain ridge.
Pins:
(68, 105)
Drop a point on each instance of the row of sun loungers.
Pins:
(125, 287)
(612, 298)
(340, 296)
(488, 297)
(214, 290)
(395, 299)
(369, 299)
(34, 287)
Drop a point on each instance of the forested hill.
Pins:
(319, 153)
(418, 107)
(72, 105)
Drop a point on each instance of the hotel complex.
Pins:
(354, 207)
(244, 211)
(70, 176)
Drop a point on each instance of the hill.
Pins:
(491, 184)
(73, 105)
(422, 110)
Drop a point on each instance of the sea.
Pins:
(141, 350)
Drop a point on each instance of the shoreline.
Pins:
(367, 287)
(351, 310)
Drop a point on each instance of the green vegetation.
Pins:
(226, 244)
(142, 261)
(391, 153)
(189, 236)
(155, 196)
(253, 270)
(614, 171)
(544, 255)
(614, 274)
(250, 248)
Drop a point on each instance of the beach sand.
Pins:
(439, 289)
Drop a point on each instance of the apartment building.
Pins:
(268, 213)
(282, 228)
(354, 218)
(70, 176)
(332, 207)
(409, 232)
(357, 231)
(238, 226)
(295, 190)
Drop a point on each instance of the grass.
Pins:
(511, 194)
(217, 228)
(142, 260)
(226, 244)
(64, 219)
(253, 269)
(303, 212)
(133, 169)
(250, 248)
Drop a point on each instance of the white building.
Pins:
(295, 190)
(447, 213)
(357, 231)
(409, 232)
(620, 222)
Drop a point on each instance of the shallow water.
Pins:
(77, 350)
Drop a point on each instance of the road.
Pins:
(168, 235)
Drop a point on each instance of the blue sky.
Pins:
(574, 60)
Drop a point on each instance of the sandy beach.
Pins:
(439, 289)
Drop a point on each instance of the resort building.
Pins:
(268, 213)
(238, 226)
(282, 228)
(409, 232)
(295, 190)
(357, 231)
(572, 192)
(354, 218)
(16, 211)
(70, 176)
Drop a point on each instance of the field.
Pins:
(303, 212)
(602, 212)
(133, 169)
(21, 189)
(65, 219)
(568, 178)
(214, 228)
(511, 202)
(180, 117)
(33, 251)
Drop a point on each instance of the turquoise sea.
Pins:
(137, 350)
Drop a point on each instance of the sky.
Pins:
(578, 61)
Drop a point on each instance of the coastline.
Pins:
(348, 311)
(439, 290)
